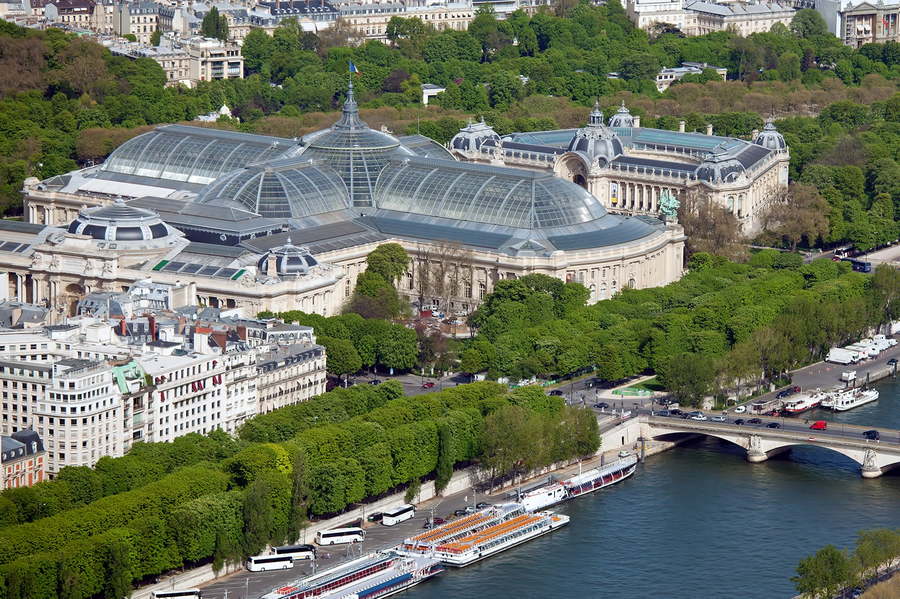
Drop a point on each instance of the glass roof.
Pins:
(492, 195)
(280, 189)
(192, 154)
(355, 151)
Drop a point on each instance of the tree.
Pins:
(259, 519)
(118, 571)
(413, 490)
(797, 213)
(504, 88)
(688, 376)
(214, 25)
(444, 469)
(808, 23)
(340, 356)
(640, 65)
(155, 37)
(299, 496)
(709, 226)
(389, 260)
(823, 574)
(257, 49)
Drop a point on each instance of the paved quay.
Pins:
(251, 585)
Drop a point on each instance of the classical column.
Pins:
(4, 286)
(20, 287)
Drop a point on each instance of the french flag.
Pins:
(353, 68)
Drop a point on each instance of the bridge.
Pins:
(761, 443)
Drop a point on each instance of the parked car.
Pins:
(740, 409)
(556, 393)
(428, 384)
(872, 434)
(819, 425)
(375, 517)
(739, 421)
(431, 523)
(602, 405)
(718, 418)
(461, 512)
(698, 416)
(676, 412)
(483, 504)
(754, 421)
(375, 382)
(624, 453)
(774, 425)
(785, 393)
(892, 362)
(663, 413)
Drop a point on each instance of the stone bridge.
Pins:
(874, 457)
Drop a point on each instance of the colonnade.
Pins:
(639, 197)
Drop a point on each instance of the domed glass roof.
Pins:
(290, 261)
(484, 194)
(770, 138)
(355, 151)
(120, 222)
(622, 118)
(279, 189)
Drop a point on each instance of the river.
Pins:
(697, 522)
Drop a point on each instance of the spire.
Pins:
(596, 116)
(350, 117)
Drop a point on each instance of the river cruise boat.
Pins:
(598, 478)
(482, 534)
(841, 401)
(371, 577)
(803, 402)
(548, 494)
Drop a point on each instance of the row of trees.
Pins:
(306, 460)
(830, 570)
(722, 322)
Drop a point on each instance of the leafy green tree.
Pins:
(639, 66)
(118, 571)
(389, 260)
(155, 37)
(808, 23)
(504, 88)
(444, 469)
(214, 25)
(259, 517)
(823, 574)
(341, 357)
(299, 496)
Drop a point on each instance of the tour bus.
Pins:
(261, 563)
(182, 594)
(337, 536)
(859, 265)
(398, 514)
(297, 551)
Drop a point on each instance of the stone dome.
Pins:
(290, 261)
(622, 118)
(288, 188)
(770, 138)
(719, 167)
(597, 141)
(125, 225)
(471, 137)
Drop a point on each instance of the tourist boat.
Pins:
(544, 496)
(598, 478)
(480, 535)
(841, 401)
(803, 402)
(371, 577)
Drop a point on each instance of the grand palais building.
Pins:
(237, 220)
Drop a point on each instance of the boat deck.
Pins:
(489, 534)
(451, 528)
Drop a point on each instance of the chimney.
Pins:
(709, 128)
(201, 342)
(637, 122)
(681, 126)
(272, 266)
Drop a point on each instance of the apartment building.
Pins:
(22, 460)
(290, 374)
(71, 13)
(141, 19)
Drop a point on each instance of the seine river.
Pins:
(697, 522)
